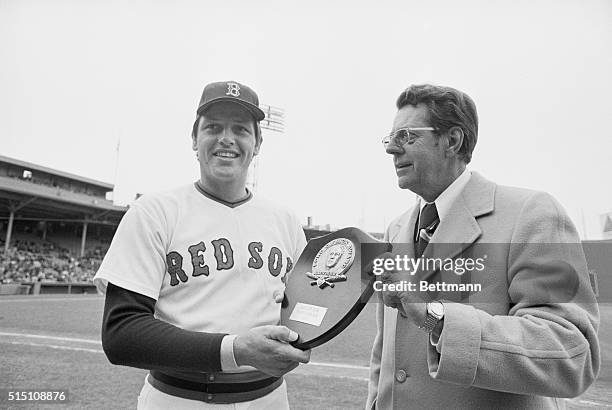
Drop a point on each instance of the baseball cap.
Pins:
(231, 91)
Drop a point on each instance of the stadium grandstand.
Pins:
(54, 226)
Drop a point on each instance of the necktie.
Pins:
(428, 222)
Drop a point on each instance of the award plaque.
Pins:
(327, 289)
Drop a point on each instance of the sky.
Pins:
(77, 77)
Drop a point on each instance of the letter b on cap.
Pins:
(233, 89)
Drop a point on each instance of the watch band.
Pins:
(431, 318)
(430, 322)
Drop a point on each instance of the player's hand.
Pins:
(410, 304)
(267, 349)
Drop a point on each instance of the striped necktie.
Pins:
(427, 224)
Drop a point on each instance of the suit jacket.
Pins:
(528, 338)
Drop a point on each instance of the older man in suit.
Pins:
(528, 338)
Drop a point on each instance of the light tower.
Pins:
(274, 121)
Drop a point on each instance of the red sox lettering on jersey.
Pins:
(224, 258)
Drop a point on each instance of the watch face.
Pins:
(437, 308)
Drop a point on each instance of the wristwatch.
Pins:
(435, 313)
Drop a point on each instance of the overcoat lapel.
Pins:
(460, 229)
(403, 230)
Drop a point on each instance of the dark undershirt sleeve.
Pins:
(132, 336)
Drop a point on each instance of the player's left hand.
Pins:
(410, 304)
(268, 348)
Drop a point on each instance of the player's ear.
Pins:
(258, 139)
(194, 134)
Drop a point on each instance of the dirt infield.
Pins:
(53, 342)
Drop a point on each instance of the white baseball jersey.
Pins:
(211, 266)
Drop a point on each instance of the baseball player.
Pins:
(193, 276)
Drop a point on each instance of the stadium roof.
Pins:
(28, 200)
(38, 202)
(31, 166)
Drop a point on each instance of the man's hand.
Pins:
(267, 348)
(410, 304)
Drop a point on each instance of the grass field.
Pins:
(52, 342)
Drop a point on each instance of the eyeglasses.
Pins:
(404, 136)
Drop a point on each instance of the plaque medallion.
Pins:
(331, 263)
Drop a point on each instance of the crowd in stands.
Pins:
(29, 261)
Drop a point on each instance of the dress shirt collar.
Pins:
(449, 195)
